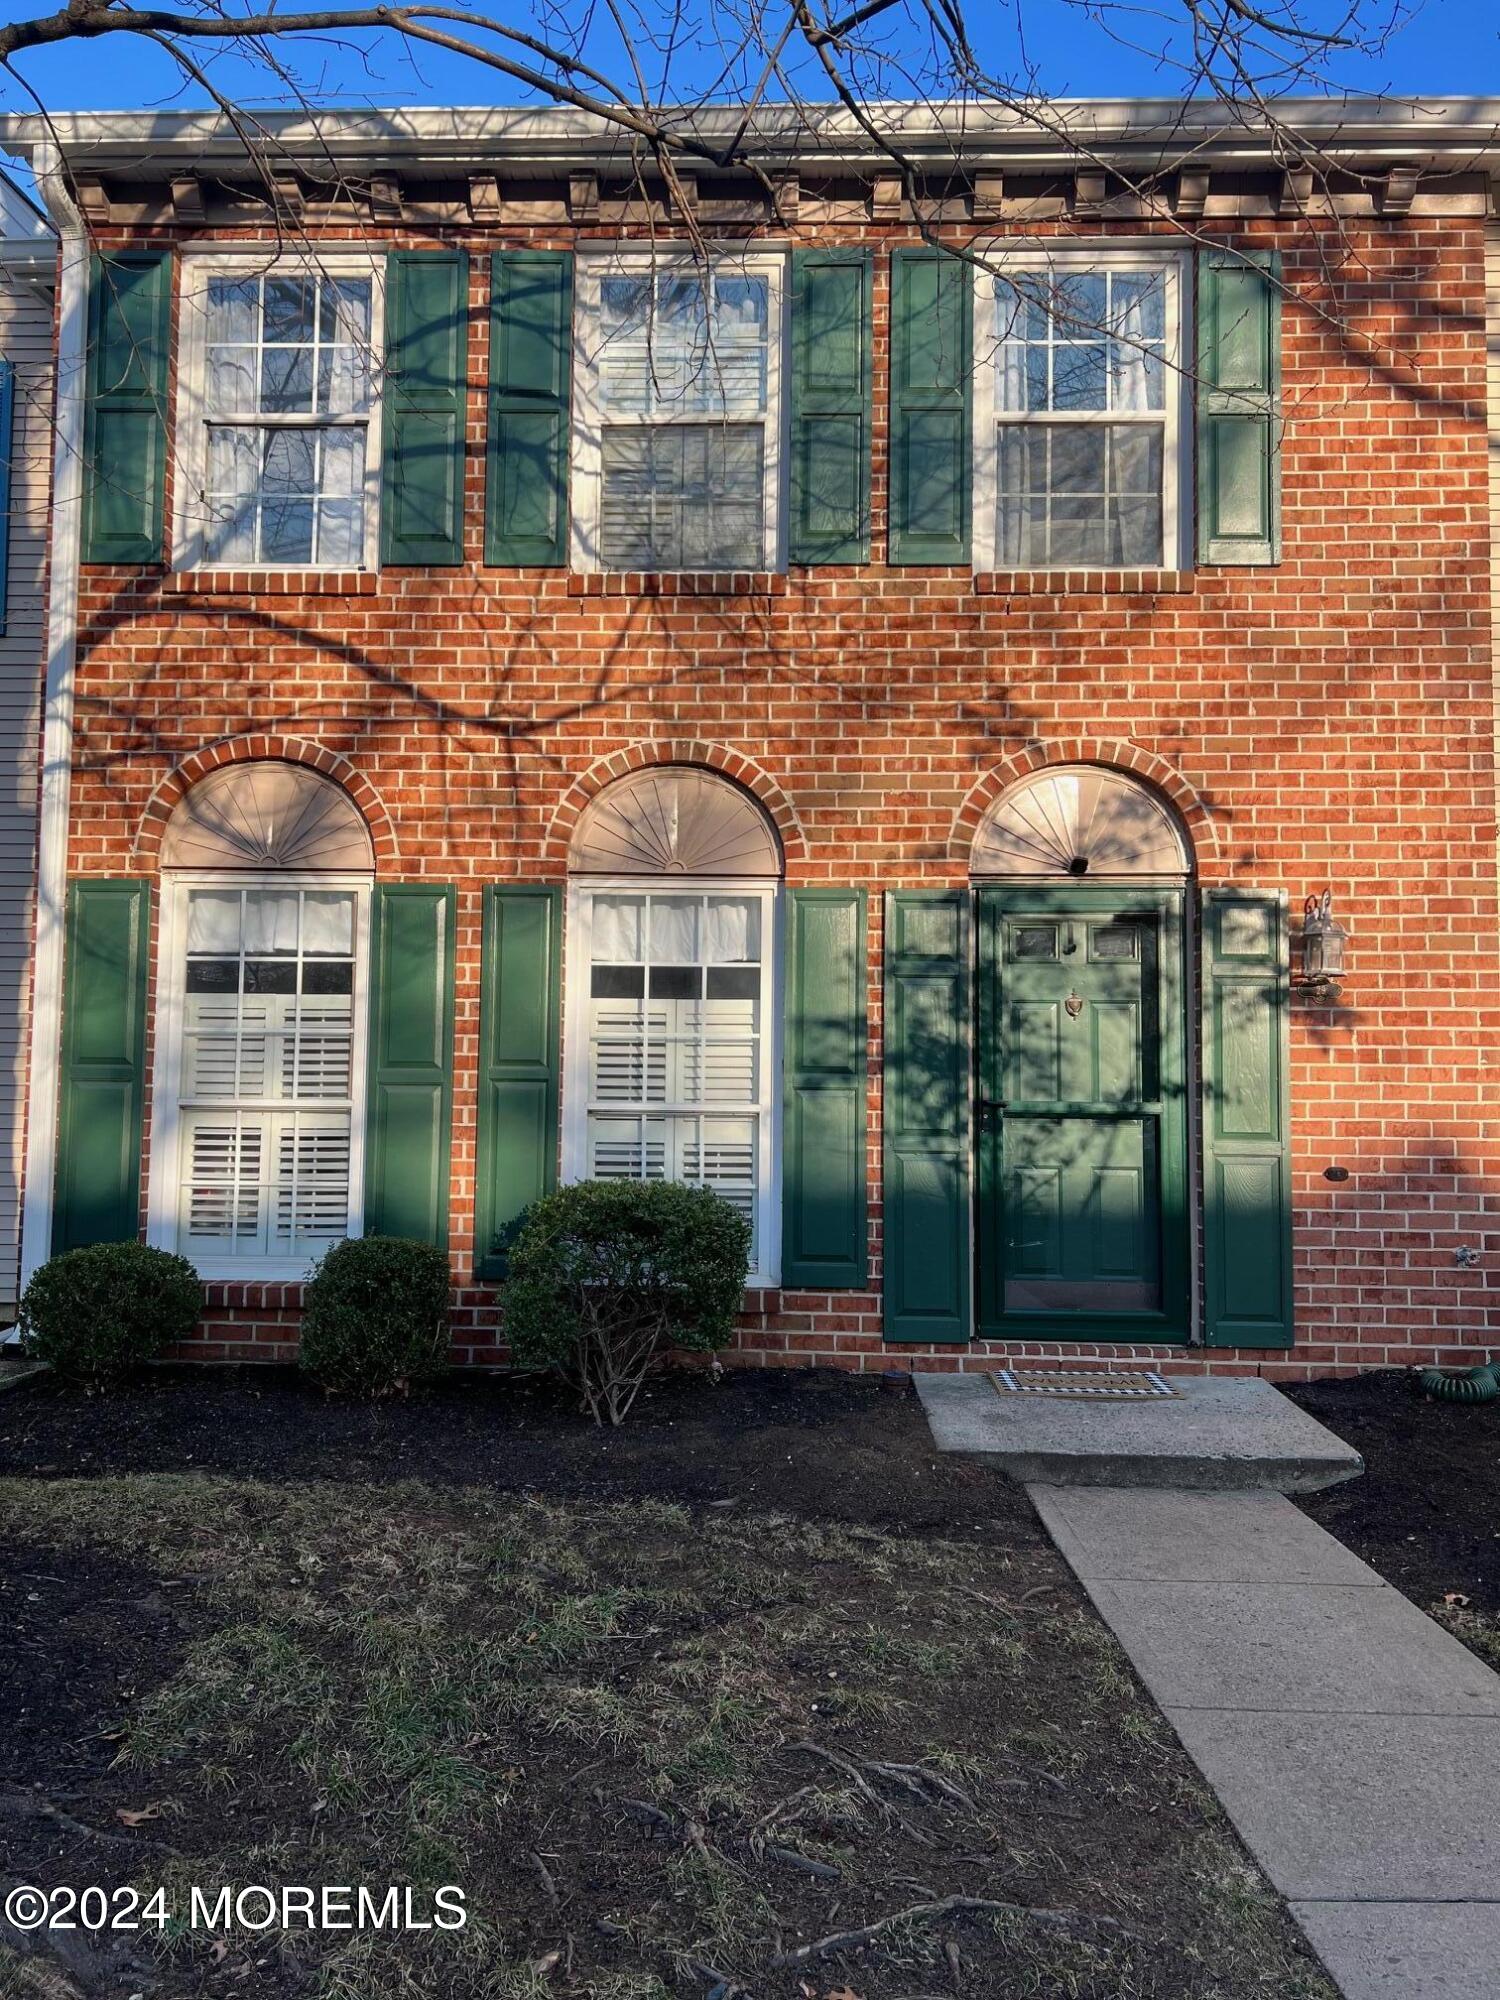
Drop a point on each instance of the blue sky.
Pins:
(1441, 46)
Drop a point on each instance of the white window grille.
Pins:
(264, 1050)
(280, 412)
(1080, 464)
(670, 1028)
(677, 455)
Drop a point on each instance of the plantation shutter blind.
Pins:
(823, 1228)
(1247, 1200)
(266, 1086)
(931, 462)
(1239, 407)
(926, 1173)
(125, 420)
(832, 292)
(103, 1064)
(531, 339)
(410, 1109)
(519, 1042)
(426, 365)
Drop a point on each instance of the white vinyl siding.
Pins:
(260, 1080)
(279, 414)
(26, 341)
(670, 1035)
(1078, 412)
(677, 458)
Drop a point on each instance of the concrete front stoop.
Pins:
(1215, 1432)
(1354, 1743)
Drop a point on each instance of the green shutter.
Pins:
(926, 1192)
(1247, 1196)
(411, 1062)
(531, 340)
(103, 1064)
(823, 1204)
(519, 1016)
(830, 417)
(1239, 407)
(426, 370)
(125, 424)
(931, 470)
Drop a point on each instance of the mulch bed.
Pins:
(1426, 1514)
(811, 1443)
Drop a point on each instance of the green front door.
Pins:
(1081, 1115)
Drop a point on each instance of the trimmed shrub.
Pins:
(96, 1313)
(607, 1276)
(375, 1316)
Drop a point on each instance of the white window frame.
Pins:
(765, 1274)
(166, 1162)
(587, 442)
(190, 459)
(1177, 457)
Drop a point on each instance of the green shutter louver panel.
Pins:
(1239, 407)
(410, 1113)
(519, 1026)
(531, 343)
(1247, 1194)
(926, 1104)
(832, 293)
(125, 420)
(426, 370)
(98, 1190)
(824, 1228)
(931, 460)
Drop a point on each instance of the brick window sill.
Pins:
(271, 583)
(676, 583)
(1083, 582)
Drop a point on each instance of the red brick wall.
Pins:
(1327, 721)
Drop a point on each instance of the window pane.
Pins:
(231, 381)
(685, 496)
(619, 929)
(267, 1029)
(683, 343)
(1088, 495)
(286, 380)
(289, 309)
(1076, 340)
(674, 930)
(731, 930)
(233, 309)
(286, 495)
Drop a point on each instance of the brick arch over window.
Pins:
(703, 756)
(1115, 754)
(263, 749)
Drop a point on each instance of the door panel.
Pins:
(1081, 1128)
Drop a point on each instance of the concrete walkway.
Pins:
(1214, 1432)
(1353, 1742)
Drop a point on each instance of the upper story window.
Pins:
(677, 437)
(279, 459)
(1078, 418)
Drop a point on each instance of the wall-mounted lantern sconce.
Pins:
(1322, 946)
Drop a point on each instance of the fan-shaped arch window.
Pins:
(674, 820)
(1080, 822)
(267, 815)
(258, 1095)
(672, 939)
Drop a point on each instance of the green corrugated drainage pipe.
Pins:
(1473, 1385)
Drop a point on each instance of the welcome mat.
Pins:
(1096, 1384)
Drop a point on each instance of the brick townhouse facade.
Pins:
(832, 688)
